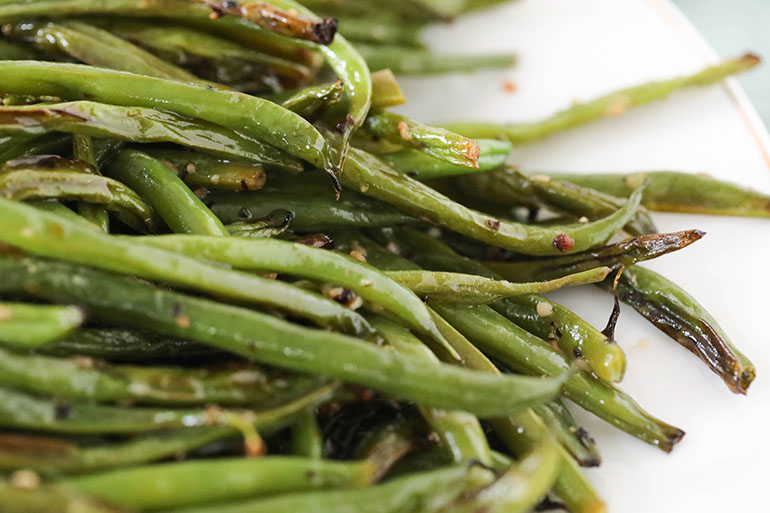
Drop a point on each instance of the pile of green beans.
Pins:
(230, 284)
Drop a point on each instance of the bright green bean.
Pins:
(612, 104)
(170, 197)
(271, 255)
(415, 61)
(418, 165)
(669, 191)
(45, 234)
(472, 289)
(24, 325)
(262, 119)
(136, 124)
(217, 481)
(264, 338)
(199, 170)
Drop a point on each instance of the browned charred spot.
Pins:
(609, 330)
(344, 125)
(279, 218)
(37, 445)
(578, 352)
(493, 224)
(325, 31)
(343, 296)
(176, 309)
(472, 151)
(245, 213)
(39, 161)
(316, 240)
(244, 184)
(563, 242)
(62, 411)
(412, 174)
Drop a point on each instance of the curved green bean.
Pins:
(273, 341)
(518, 489)
(262, 119)
(217, 481)
(669, 191)
(25, 184)
(627, 252)
(612, 105)
(55, 456)
(170, 197)
(48, 235)
(136, 124)
(373, 178)
(509, 187)
(681, 317)
(80, 380)
(25, 325)
(27, 412)
(472, 289)
(272, 255)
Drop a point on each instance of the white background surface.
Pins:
(576, 50)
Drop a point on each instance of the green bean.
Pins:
(307, 439)
(189, 46)
(47, 235)
(50, 500)
(94, 46)
(312, 102)
(385, 90)
(681, 317)
(509, 343)
(612, 104)
(435, 142)
(10, 51)
(78, 380)
(121, 345)
(414, 61)
(83, 149)
(137, 125)
(273, 225)
(462, 437)
(170, 197)
(509, 187)
(627, 252)
(24, 325)
(546, 319)
(24, 184)
(669, 191)
(273, 341)
(518, 489)
(15, 146)
(471, 289)
(312, 209)
(262, 119)
(57, 456)
(26, 412)
(271, 255)
(373, 30)
(368, 174)
(199, 170)
(422, 492)
(572, 437)
(420, 166)
(215, 481)
(520, 434)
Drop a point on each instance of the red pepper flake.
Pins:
(563, 242)
(509, 86)
(494, 224)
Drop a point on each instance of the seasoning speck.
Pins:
(25, 478)
(544, 309)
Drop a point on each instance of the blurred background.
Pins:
(733, 27)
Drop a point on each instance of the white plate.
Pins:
(576, 50)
